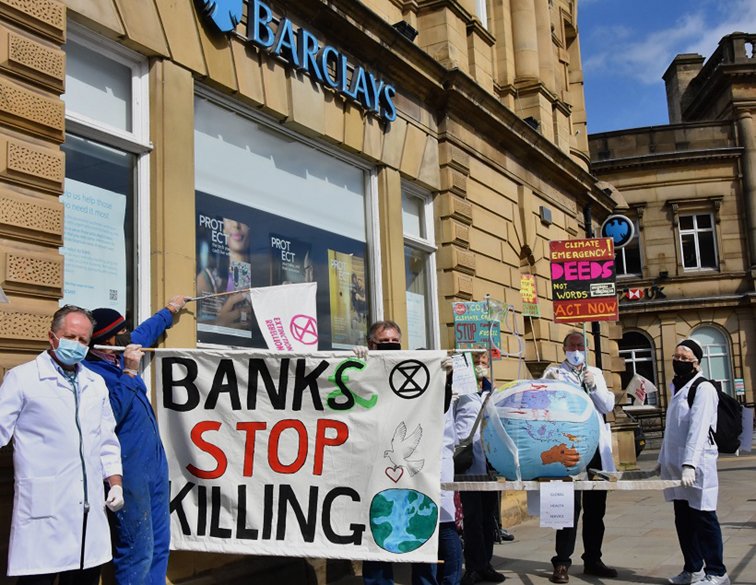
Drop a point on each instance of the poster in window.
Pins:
(346, 282)
(223, 265)
(291, 260)
(94, 247)
(239, 247)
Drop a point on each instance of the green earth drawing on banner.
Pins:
(402, 520)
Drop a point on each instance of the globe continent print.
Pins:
(537, 425)
(402, 520)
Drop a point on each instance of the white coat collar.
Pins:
(47, 369)
(685, 388)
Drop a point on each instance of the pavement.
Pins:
(640, 540)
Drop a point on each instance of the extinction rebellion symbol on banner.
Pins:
(305, 52)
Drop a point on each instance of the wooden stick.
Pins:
(120, 348)
(220, 294)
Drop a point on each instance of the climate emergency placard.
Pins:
(318, 455)
(583, 280)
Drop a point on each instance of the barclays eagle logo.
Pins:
(617, 230)
(225, 14)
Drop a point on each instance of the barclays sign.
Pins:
(305, 52)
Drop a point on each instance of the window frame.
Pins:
(371, 209)
(427, 246)
(629, 355)
(635, 239)
(728, 385)
(136, 142)
(695, 231)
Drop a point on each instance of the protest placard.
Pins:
(309, 455)
(583, 280)
(475, 329)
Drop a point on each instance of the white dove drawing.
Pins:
(403, 446)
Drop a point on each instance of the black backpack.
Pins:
(729, 417)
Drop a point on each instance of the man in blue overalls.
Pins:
(141, 529)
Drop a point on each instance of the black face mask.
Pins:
(682, 369)
(123, 339)
(388, 345)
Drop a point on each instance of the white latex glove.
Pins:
(360, 351)
(448, 364)
(688, 476)
(589, 381)
(114, 501)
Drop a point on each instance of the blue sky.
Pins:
(627, 46)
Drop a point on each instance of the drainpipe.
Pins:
(595, 326)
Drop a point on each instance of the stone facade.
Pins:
(702, 164)
(491, 119)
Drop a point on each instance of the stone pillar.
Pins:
(677, 77)
(524, 35)
(747, 140)
(545, 45)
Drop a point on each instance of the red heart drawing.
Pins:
(394, 473)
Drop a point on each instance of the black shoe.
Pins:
(505, 535)
(491, 575)
(560, 574)
(599, 569)
(471, 578)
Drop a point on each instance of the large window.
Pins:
(106, 147)
(638, 352)
(716, 363)
(272, 209)
(419, 268)
(697, 242)
(628, 258)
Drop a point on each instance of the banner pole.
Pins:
(220, 294)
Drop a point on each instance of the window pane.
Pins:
(686, 222)
(707, 250)
(415, 263)
(689, 251)
(98, 87)
(633, 258)
(703, 221)
(98, 240)
(412, 216)
(272, 210)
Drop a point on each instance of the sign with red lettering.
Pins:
(310, 455)
(583, 280)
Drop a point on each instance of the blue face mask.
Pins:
(69, 352)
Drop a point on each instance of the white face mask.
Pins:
(481, 372)
(575, 358)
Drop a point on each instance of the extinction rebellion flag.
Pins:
(309, 455)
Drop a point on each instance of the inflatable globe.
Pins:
(532, 429)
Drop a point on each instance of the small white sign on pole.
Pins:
(463, 380)
(557, 504)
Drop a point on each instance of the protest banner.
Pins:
(583, 280)
(308, 455)
(286, 315)
(475, 329)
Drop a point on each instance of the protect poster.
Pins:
(348, 300)
(241, 247)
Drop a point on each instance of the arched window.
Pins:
(717, 361)
(638, 351)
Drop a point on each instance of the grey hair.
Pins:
(60, 315)
(381, 326)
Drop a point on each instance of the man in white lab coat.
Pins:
(574, 370)
(690, 454)
(64, 445)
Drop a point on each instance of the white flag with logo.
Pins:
(639, 387)
(287, 316)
